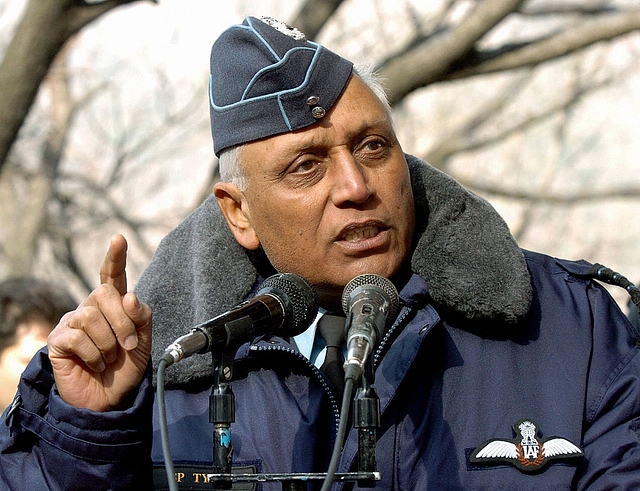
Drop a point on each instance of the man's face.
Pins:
(332, 201)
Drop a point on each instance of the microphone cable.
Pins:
(164, 431)
(340, 436)
(607, 275)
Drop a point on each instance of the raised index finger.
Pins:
(113, 269)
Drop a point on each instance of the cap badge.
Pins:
(284, 28)
(526, 452)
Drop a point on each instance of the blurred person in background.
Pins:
(29, 310)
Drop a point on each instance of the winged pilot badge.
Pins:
(526, 452)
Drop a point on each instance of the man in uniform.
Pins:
(503, 369)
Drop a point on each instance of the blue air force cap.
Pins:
(267, 79)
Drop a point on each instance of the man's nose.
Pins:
(351, 180)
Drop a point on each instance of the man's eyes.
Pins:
(374, 145)
(305, 166)
(314, 164)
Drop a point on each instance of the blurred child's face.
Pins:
(14, 359)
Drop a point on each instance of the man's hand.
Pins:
(99, 352)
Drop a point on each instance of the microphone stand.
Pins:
(366, 418)
(221, 415)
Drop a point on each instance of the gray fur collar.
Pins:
(465, 253)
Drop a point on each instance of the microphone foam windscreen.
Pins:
(302, 297)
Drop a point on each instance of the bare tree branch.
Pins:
(558, 8)
(600, 28)
(68, 258)
(82, 12)
(583, 196)
(116, 211)
(442, 49)
(461, 139)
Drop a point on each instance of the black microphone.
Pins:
(367, 300)
(286, 305)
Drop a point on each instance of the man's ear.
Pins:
(232, 203)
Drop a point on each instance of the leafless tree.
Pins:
(44, 29)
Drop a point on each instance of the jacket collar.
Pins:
(465, 251)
